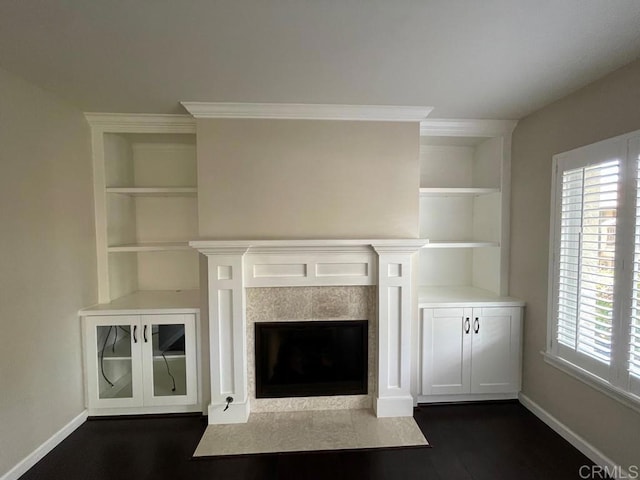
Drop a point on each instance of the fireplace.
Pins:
(300, 359)
(238, 272)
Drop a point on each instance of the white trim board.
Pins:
(572, 437)
(140, 123)
(466, 128)
(302, 111)
(34, 457)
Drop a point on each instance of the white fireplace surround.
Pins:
(235, 265)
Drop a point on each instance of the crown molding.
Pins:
(141, 122)
(300, 111)
(466, 128)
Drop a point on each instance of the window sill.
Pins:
(628, 399)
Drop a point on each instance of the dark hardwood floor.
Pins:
(486, 441)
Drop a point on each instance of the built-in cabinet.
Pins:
(141, 341)
(470, 330)
(140, 363)
(146, 187)
(470, 350)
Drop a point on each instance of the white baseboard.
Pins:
(595, 455)
(34, 457)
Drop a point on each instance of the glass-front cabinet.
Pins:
(171, 360)
(140, 360)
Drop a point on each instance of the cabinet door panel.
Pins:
(169, 359)
(495, 355)
(114, 361)
(445, 351)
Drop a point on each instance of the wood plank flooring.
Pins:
(487, 441)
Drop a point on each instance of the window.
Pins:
(594, 301)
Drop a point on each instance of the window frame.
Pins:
(614, 379)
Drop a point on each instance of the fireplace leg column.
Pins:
(393, 398)
(227, 337)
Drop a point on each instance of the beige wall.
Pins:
(604, 109)
(307, 179)
(47, 269)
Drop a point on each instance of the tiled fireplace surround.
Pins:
(307, 280)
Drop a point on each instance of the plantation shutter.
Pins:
(585, 263)
(634, 327)
(594, 275)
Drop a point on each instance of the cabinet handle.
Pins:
(135, 329)
(144, 334)
(476, 325)
(467, 325)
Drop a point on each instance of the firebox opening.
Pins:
(312, 358)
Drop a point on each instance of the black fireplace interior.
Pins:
(318, 358)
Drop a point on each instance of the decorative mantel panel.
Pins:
(234, 266)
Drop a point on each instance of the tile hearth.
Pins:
(310, 431)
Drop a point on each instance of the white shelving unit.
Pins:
(464, 198)
(145, 186)
(470, 346)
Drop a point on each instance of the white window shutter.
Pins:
(586, 259)
(634, 327)
(594, 279)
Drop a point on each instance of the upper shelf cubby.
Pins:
(148, 164)
(460, 165)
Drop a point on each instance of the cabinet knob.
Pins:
(135, 338)
(144, 334)
(476, 325)
(467, 325)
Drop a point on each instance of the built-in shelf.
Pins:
(459, 244)
(155, 191)
(119, 385)
(170, 356)
(457, 296)
(149, 247)
(456, 192)
(149, 302)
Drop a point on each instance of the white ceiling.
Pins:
(467, 58)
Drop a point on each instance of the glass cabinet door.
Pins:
(169, 343)
(169, 360)
(113, 361)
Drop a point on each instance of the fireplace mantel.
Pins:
(234, 265)
(308, 246)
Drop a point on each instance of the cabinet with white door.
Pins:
(471, 352)
(140, 363)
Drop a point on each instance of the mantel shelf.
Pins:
(460, 244)
(149, 247)
(456, 191)
(155, 191)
